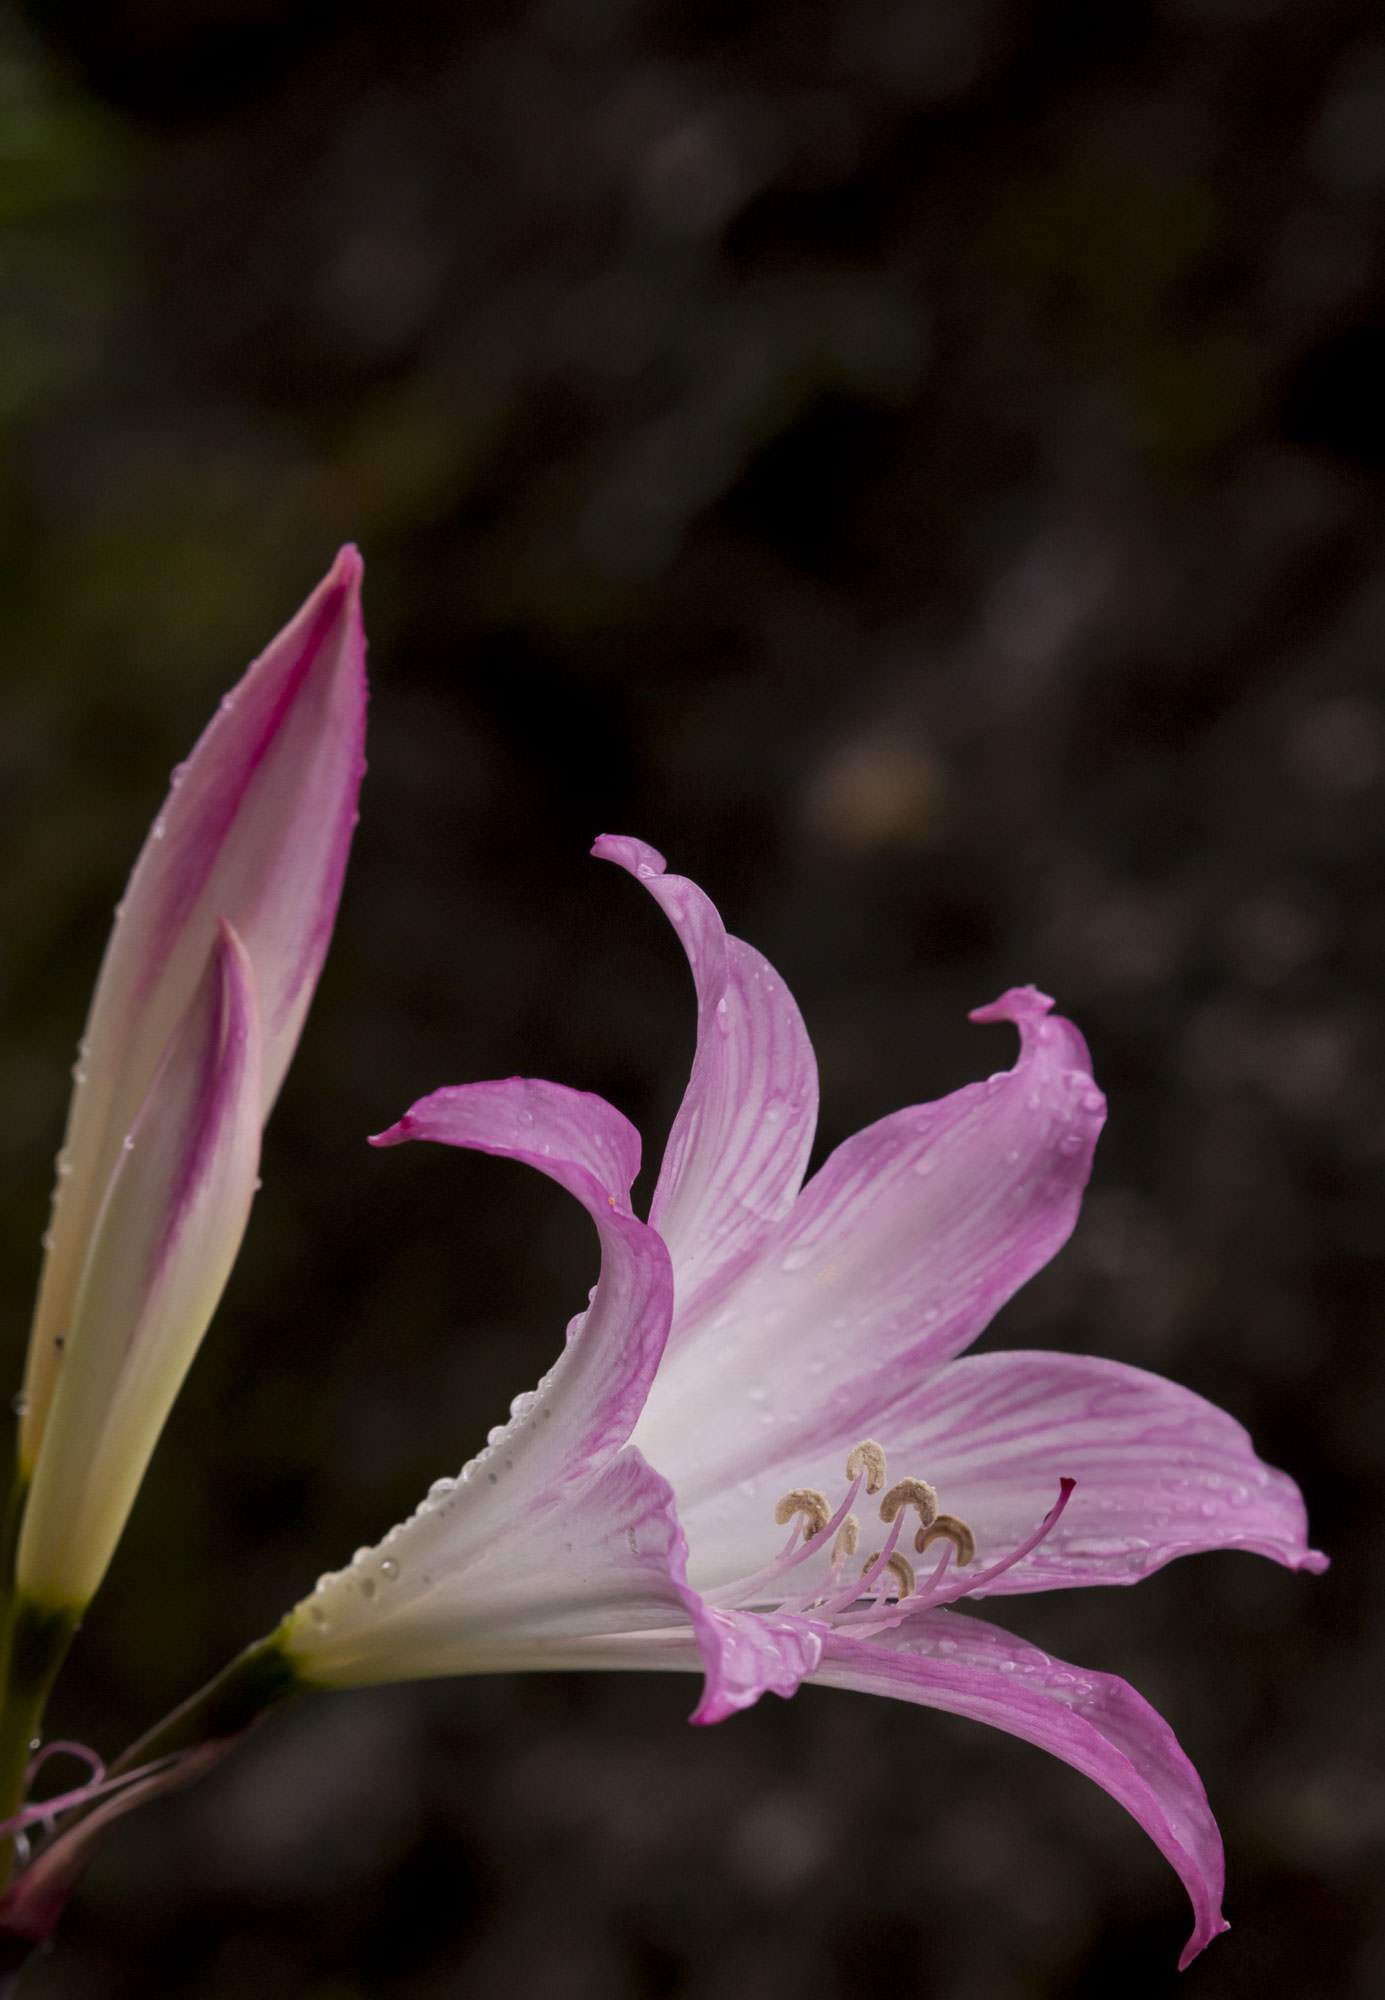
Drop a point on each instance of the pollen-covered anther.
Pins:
(947, 1528)
(869, 1458)
(899, 1566)
(807, 1501)
(911, 1493)
(848, 1539)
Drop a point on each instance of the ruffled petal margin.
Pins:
(1095, 1722)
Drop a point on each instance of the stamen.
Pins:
(1017, 1554)
(807, 1501)
(901, 1567)
(911, 1493)
(848, 1539)
(947, 1528)
(867, 1457)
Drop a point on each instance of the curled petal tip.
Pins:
(1023, 1005)
(637, 857)
(1204, 1935)
(396, 1134)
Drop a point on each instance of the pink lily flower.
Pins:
(206, 980)
(758, 1365)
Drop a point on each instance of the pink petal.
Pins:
(255, 830)
(569, 1566)
(160, 1254)
(586, 1407)
(591, 1575)
(1160, 1472)
(895, 1257)
(1094, 1722)
(739, 1145)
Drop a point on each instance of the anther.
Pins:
(902, 1568)
(911, 1493)
(867, 1457)
(807, 1501)
(848, 1539)
(947, 1528)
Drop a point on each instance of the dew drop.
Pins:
(644, 871)
(440, 1488)
(158, 830)
(128, 1143)
(19, 1403)
(1071, 1142)
(389, 1568)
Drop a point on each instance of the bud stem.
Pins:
(36, 1644)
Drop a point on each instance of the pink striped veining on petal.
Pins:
(1093, 1721)
(594, 1393)
(896, 1255)
(1160, 1471)
(739, 1145)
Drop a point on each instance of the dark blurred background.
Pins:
(922, 466)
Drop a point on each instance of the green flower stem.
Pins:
(36, 1644)
(240, 1694)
